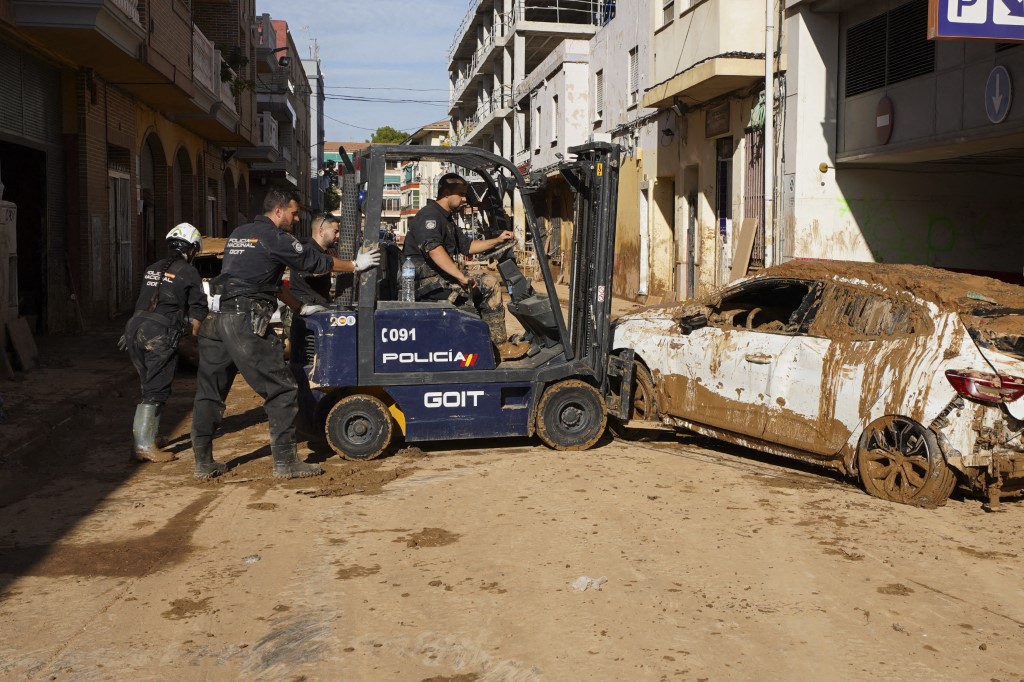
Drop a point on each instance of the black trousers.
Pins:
(227, 346)
(153, 349)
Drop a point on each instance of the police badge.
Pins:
(431, 224)
(297, 246)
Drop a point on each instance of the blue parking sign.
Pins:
(982, 19)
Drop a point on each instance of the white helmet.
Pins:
(186, 232)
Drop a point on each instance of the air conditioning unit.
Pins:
(600, 137)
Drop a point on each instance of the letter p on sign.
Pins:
(967, 11)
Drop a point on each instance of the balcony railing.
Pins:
(204, 71)
(129, 7)
(267, 125)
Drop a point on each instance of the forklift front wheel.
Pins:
(571, 416)
(359, 427)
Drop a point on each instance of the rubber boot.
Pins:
(507, 350)
(287, 464)
(147, 422)
(206, 467)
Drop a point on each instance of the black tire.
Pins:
(645, 407)
(571, 416)
(359, 427)
(899, 461)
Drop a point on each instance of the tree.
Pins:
(388, 135)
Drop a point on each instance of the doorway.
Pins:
(23, 174)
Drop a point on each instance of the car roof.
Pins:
(213, 246)
(959, 291)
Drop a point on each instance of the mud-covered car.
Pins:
(908, 377)
(208, 263)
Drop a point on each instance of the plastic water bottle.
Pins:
(407, 281)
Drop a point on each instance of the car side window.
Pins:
(776, 306)
(849, 312)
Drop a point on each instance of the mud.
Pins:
(896, 590)
(187, 608)
(356, 572)
(429, 537)
(365, 478)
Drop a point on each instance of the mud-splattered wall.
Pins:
(952, 219)
(626, 279)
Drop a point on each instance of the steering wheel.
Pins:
(750, 317)
(498, 252)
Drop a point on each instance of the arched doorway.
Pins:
(184, 188)
(153, 179)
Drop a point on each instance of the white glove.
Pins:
(367, 259)
(309, 309)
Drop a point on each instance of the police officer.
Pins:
(314, 292)
(315, 289)
(172, 299)
(434, 240)
(234, 337)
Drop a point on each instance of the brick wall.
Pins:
(169, 44)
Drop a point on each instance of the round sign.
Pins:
(883, 120)
(998, 94)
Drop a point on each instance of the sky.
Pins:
(379, 49)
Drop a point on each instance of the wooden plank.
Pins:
(6, 370)
(24, 345)
(744, 248)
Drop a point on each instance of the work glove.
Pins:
(367, 259)
(309, 309)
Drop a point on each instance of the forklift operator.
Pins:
(234, 338)
(433, 242)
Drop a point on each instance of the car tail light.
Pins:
(988, 388)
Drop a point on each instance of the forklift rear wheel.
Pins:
(359, 427)
(571, 416)
(645, 407)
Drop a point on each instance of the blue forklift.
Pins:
(428, 370)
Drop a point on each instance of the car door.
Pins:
(858, 347)
(729, 362)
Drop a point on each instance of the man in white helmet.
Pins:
(172, 301)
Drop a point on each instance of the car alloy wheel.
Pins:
(899, 461)
(645, 407)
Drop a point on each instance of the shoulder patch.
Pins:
(297, 246)
(431, 224)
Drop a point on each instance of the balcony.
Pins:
(274, 93)
(267, 142)
(212, 97)
(94, 33)
(705, 53)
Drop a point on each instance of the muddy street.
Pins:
(465, 563)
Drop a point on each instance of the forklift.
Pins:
(427, 369)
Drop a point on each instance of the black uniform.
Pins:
(171, 290)
(308, 288)
(431, 227)
(235, 339)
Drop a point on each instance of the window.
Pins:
(668, 11)
(634, 77)
(554, 120)
(391, 187)
(891, 48)
(534, 125)
(599, 95)
(391, 204)
(851, 312)
(772, 305)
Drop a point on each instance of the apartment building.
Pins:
(119, 119)
(282, 157)
(315, 76)
(497, 44)
(419, 178)
(897, 148)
